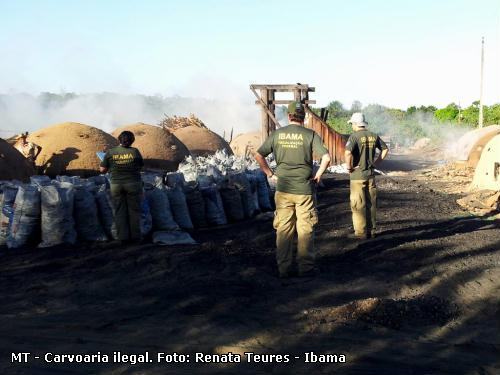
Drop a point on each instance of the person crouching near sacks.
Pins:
(124, 164)
(293, 147)
(360, 156)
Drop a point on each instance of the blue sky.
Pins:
(396, 53)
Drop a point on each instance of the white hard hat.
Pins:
(358, 119)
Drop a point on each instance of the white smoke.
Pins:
(26, 112)
(444, 134)
(407, 129)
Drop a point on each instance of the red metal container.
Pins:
(335, 142)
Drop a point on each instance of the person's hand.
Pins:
(274, 178)
(317, 178)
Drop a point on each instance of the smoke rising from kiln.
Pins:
(406, 129)
(26, 112)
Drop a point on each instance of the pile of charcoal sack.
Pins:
(204, 192)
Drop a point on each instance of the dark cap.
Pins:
(296, 109)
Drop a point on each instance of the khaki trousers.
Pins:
(295, 214)
(127, 205)
(364, 206)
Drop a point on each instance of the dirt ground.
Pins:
(421, 298)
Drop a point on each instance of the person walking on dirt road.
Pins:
(360, 156)
(293, 147)
(125, 163)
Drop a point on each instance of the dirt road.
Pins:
(421, 298)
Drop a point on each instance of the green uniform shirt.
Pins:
(293, 147)
(363, 145)
(124, 164)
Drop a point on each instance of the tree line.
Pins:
(406, 126)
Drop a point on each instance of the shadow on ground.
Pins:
(419, 299)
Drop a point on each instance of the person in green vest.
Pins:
(124, 164)
(293, 147)
(361, 157)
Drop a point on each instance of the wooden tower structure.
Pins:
(266, 98)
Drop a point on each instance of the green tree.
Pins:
(335, 109)
(448, 113)
(429, 108)
(411, 110)
(397, 114)
(340, 125)
(492, 114)
(356, 106)
(470, 115)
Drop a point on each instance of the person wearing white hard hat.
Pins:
(361, 156)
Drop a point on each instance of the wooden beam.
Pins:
(297, 95)
(283, 88)
(264, 115)
(266, 109)
(272, 107)
(286, 101)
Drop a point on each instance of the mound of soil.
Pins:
(191, 131)
(13, 165)
(246, 144)
(158, 146)
(70, 148)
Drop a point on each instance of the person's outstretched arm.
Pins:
(325, 161)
